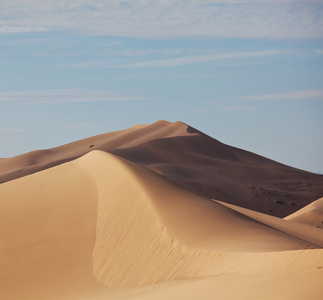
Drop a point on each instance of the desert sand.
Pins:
(132, 215)
(193, 160)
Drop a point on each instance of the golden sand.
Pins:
(102, 227)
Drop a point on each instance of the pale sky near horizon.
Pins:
(248, 73)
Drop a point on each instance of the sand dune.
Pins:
(299, 230)
(35, 161)
(192, 159)
(311, 215)
(100, 226)
(100, 222)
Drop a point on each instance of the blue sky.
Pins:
(249, 73)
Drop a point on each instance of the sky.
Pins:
(249, 73)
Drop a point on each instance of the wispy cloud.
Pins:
(62, 45)
(12, 134)
(187, 60)
(11, 130)
(63, 96)
(15, 139)
(166, 19)
(316, 94)
(21, 29)
(226, 109)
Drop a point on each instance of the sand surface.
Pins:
(100, 226)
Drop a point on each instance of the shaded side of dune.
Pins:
(212, 169)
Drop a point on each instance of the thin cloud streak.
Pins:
(316, 94)
(165, 19)
(188, 60)
(227, 109)
(21, 29)
(63, 96)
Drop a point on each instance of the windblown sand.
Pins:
(104, 227)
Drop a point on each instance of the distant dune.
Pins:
(130, 215)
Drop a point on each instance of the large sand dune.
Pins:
(192, 159)
(104, 227)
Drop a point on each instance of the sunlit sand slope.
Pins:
(47, 234)
(278, 282)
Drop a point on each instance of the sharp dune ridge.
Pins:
(112, 217)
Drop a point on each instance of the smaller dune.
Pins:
(300, 230)
(311, 215)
